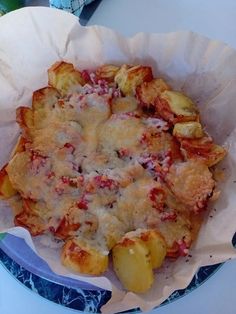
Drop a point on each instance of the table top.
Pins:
(212, 18)
(215, 296)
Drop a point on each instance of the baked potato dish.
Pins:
(113, 163)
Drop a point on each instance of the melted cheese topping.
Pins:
(101, 174)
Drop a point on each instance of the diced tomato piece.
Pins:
(123, 152)
(183, 248)
(51, 174)
(105, 182)
(65, 180)
(37, 161)
(157, 196)
(86, 76)
(179, 248)
(145, 138)
(157, 164)
(171, 216)
(70, 147)
(82, 204)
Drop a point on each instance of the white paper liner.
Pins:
(32, 39)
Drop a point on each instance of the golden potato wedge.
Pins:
(64, 77)
(147, 92)
(191, 129)
(156, 244)
(107, 72)
(132, 264)
(124, 104)
(128, 78)
(17, 170)
(45, 98)
(176, 107)
(202, 149)
(6, 188)
(217, 154)
(24, 117)
(82, 257)
(95, 109)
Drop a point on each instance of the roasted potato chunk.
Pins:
(132, 264)
(64, 77)
(156, 244)
(107, 72)
(6, 188)
(42, 104)
(124, 104)
(191, 129)
(95, 109)
(128, 78)
(216, 154)
(45, 98)
(192, 183)
(24, 117)
(147, 92)
(202, 149)
(29, 218)
(176, 107)
(80, 256)
(17, 170)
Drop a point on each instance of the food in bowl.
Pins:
(112, 162)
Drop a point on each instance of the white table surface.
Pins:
(213, 18)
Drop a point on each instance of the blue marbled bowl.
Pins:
(35, 274)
